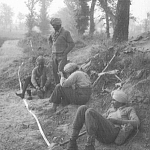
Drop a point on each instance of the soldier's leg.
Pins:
(55, 69)
(27, 81)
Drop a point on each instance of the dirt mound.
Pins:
(133, 63)
(10, 55)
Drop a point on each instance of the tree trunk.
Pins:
(92, 24)
(122, 21)
(107, 23)
(109, 12)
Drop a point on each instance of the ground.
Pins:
(18, 128)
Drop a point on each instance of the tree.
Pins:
(31, 17)
(80, 11)
(82, 16)
(68, 20)
(44, 21)
(6, 15)
(21, 17)
(147, 23)
(109, 10)
(92, 24)
(107, 22)
(122, 21)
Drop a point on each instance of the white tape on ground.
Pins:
(40, 128)
(50, 146)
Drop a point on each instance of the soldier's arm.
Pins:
(70, 42)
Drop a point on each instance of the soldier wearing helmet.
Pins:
(62, 43)
(40, 79)
(75, 89)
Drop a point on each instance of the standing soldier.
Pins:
(62, 43)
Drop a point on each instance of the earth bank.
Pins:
(19, 130)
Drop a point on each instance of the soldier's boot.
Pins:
(90, 143)
(72, 143)
(29, 95)
(21, 95)
(53, 109)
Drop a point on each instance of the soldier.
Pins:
(40, 79)
(75, 89)
(103, 128)
(62, 43)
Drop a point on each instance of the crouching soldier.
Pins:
(74, 89)
(40, 79)
(103, 128)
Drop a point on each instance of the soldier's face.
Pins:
(116, 104)
(56, 27)
(40, 65)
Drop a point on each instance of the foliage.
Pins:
(113, 5)
(68, 20)
(82, 17)
(147, 23)
(21, 18)
(6, 14)
(109, 9)
(43, 18)
(80, 11)
(92, 24)
(31, 17)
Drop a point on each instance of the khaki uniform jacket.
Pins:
(42, 78)
(61, 41)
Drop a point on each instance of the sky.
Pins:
(139, 8)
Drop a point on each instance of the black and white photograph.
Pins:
(74, 74)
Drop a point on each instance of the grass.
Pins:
(12, 34)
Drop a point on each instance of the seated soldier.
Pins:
(76, 89)
(40, 79)
(103, 128)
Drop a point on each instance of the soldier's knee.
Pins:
(82, 109)
(89, 111)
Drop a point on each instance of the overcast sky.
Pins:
(139, 8)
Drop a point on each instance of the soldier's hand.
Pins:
(61, 74)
